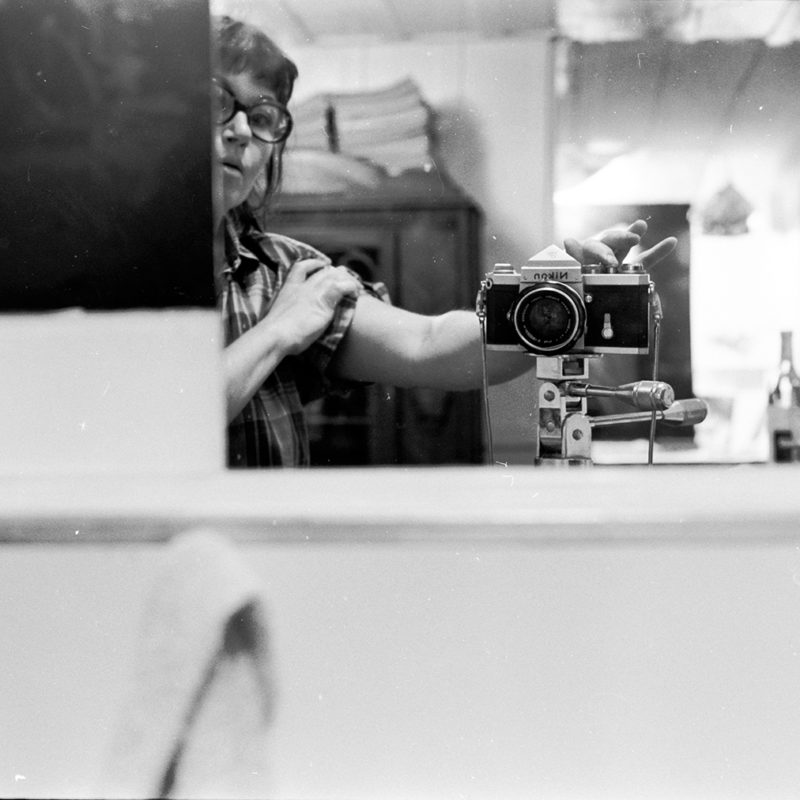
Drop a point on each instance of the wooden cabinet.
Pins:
(422, 241)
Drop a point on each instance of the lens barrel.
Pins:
(549, 318)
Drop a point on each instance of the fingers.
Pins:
(574, 249)
(617, 243)
(595, 251)
(338, 275)
(343, 281)
(620, 241)
(321, 276)
(330, 284)
(658, 251)
(598, 251)
(611, 247)
(638, 228)
(303, 269)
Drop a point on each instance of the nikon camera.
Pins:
(554, 306)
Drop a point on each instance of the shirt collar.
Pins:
(241, 236)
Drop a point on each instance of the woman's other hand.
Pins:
(611, 247)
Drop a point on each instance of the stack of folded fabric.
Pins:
(312, 124)
(389, 127)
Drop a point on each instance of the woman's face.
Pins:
(238, 154)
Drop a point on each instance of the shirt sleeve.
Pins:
(314, 380)
(310, 368)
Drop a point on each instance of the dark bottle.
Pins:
(783, 414)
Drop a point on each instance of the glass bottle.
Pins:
(784, 407)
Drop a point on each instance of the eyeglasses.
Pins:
(268, 120)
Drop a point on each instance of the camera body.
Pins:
(554, 306)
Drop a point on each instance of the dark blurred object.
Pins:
(105, 155)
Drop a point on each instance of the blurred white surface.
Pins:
(123, 393)
(476, 633)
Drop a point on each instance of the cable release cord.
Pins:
(657, 317)
(480, 310)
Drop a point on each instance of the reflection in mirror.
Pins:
(680, 112)
(694, 122)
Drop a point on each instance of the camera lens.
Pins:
(549, 318)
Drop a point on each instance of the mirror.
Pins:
(667, 112)
(524, 126)
(659, 109)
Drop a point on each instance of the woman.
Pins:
(295, 324)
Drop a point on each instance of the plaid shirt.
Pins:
(271, 429)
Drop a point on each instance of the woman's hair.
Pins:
(243, 48)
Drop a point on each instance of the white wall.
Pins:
(461, 669)
(493, 99)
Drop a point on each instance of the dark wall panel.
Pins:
(105, 154)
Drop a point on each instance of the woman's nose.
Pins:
(238, 127)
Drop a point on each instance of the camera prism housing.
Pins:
(554, 306)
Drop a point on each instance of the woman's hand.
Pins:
(300, 312)
(611, 247)
(305, 305)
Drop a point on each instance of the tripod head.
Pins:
(563, 427)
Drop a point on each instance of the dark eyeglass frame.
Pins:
(237, 106)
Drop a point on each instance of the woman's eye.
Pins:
(263, 119)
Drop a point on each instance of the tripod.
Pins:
(563, 427)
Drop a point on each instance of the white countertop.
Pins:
(384, 504)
